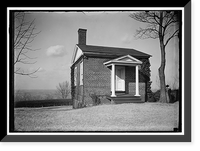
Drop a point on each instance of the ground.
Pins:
(107, 117)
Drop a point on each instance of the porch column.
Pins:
(113, 81)
(136, 81)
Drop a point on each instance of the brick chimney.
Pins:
(82, 36)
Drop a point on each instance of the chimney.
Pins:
(82, 36)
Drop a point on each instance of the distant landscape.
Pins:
(40, 98)
(37, 94)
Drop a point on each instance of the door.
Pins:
(120, 78)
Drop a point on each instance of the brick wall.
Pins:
(130, 82)
(78, 92)
(97, 78)
(142, 87)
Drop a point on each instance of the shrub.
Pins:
(156, 95)
(174, 96)
(151, 99)
(95, 99)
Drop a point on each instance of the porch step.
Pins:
(125, 99)
(119, 93)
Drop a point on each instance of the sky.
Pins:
(59, 35)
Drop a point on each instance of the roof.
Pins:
(102, 51)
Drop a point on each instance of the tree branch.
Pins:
(20, 28)
(147, 33)
(25, 34)
(173, 35)
(23, 46)
(30, 74)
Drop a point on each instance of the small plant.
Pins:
(151, 98)
(95, 99)
(156, 95)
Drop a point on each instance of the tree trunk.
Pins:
(161, 70)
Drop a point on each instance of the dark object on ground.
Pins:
(43, 103)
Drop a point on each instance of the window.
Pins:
(75, 76)
(81, 73)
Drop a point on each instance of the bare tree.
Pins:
(164, 26)
(63, 89)
(24, 34)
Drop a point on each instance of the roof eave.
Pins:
(106, 55)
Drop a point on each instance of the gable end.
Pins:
(77, 54)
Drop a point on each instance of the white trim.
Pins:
(8, 72)
(136, 81)
(94, 133)
(74, 57)
(122, 64)
(183, 73)
(74, 53)
(128, 56)
(81, 73)
(96, 8)
(113, 81)
(75, 75)
(117, 61)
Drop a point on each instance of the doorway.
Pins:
(120, 78)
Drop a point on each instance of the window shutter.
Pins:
(81, 73)
(75, 76)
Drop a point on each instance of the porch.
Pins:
(119, 85)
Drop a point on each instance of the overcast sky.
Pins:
(59, 36)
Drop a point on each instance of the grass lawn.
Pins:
(120, 117)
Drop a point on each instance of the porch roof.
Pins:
(126, 60)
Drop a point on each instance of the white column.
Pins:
(113, 81)
(136, 81)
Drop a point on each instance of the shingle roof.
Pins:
(111, 51)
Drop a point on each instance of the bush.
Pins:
(174, 96)
(78, 104)
(95, 99)
(151, 99)
(156, 95)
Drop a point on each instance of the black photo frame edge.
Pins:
(187, 137)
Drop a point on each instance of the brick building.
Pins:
(119, 74)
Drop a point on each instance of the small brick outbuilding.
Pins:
(119, 74)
